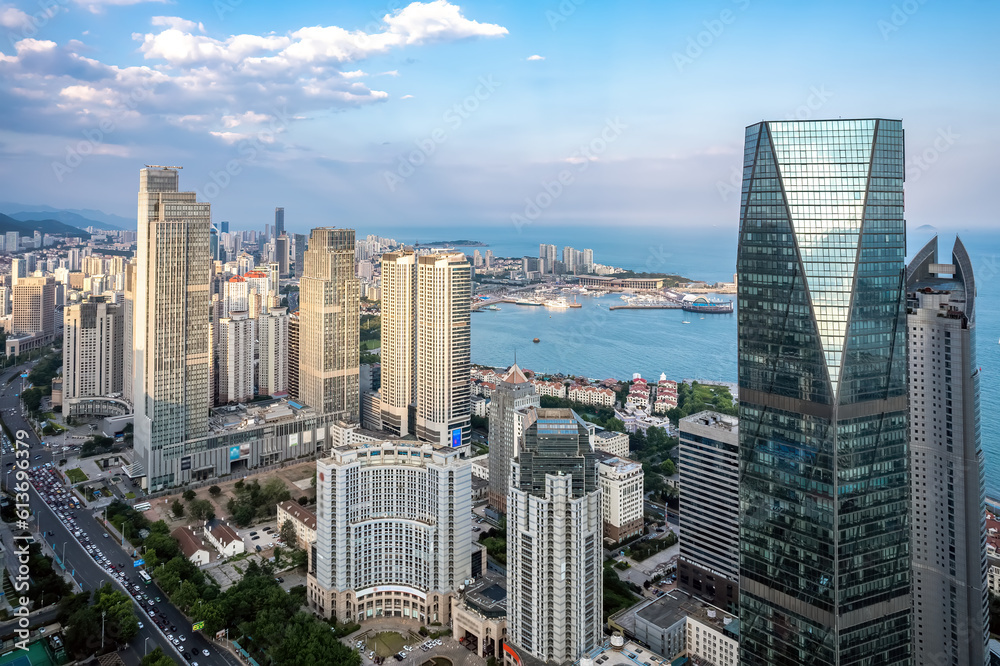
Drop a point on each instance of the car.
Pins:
(183, 638)
(176, 642)
(150, 602)
(173, 628)
(105, 535)
(136, 588)
(253, 534)
(186, 655)
(140, 625)
(206, 653)
(254, 538)
(170, 637)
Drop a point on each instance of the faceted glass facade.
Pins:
(824, 532)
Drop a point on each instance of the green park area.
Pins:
(76, 475)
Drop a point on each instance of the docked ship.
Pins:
(525, 302)
(558, 303)
(702, 305)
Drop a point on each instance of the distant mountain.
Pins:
(81, 218)
(29, 227)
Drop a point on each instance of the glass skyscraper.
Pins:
(824, 486)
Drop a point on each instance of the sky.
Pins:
(502, 114)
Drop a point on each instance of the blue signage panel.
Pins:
(456, 437)
(234, 452)
(138, 563)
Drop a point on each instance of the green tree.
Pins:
(287, 533)
(202, 510)
(214, 491)
(177, 508)
(157, 658)
(189, 495)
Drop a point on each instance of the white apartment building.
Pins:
(609, 441)
(235, 353)
(398, 391)
(592, 395)
(443, 344)
(392, 526)
(272, 370)
(621, 498)
(93, 351)
(554, 541)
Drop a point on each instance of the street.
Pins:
(85, 571)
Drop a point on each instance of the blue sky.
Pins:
(435, 114)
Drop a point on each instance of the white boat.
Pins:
(557, 303)
(685, 322)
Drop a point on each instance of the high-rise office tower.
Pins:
(235, 351)
(279, 221)
(444, 390)
(709, 562)
(213, 244)
(554, 540)
(588, 261)
(272, 372)
(13, 241)
(171, 336)
(330, 325)
(34, 301)
(509, 403)
(299, 241)
(399, 340)
(293, 356)
(824, 482)
(93, 350)
(224, 226)
(281, 252)
(951, 601)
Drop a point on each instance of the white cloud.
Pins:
(12, 17)
(418, 23)
(98, 6)
(391, 72)
(536, 57)
(178, 23)
(248, 118)
(406, 97)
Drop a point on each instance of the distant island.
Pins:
(454, 243)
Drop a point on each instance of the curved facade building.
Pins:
(393, 532)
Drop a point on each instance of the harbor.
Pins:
(670, 300)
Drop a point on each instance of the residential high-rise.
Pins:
(709, 463)
(33, 302)
(622, 507)
(569, 259)
(588, 261)
(93, 350)
(509, 403)
(293, 356)
(128, 321)
(171, 335)
(272, 370)
(398, 392)
(948, 512)
(235, 295)
(18, 270)
(13, 241)
(547, 257)
(330, 325)
(392, 520)
(282, 254)
(554, 540)
(824, 484)
(279, 221)
(235, 350)
(299, 241)
(444, 389)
